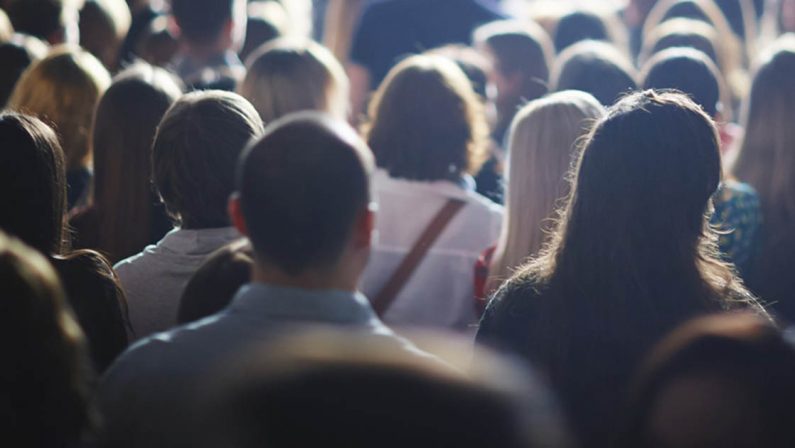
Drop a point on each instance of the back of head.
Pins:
(103, 27)
(33, 180)
(730, 373)
(344, 390)
(426, 122)
(294, 75)
(45, 384)
(543, 144)
(687, 33)
(267, 21)
(15, 57)
(215, 283)
(201, 22)
(578, 26)
(688, 71)
(195, 153)
(63, 89)
(765, 158)
(594, 67)
(50, 20)
(519, 48)
(302, 188)
(124, 128)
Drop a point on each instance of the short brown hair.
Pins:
(426, 121)
(195, 153)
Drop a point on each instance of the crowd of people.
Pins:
(393, 223)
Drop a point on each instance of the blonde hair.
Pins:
(63, 89)
(292, 75)
(543, 141)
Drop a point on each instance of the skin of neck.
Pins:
(343, 276)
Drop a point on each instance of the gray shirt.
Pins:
(154, 279)
(145, 395)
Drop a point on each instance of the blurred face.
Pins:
(700, 411)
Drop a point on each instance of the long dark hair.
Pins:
(124, 129)
(33, 197)
(633, 253)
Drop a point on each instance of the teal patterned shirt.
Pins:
(738, 217)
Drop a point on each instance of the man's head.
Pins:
(689, 71)
(52, 20)
(212, 24)
(303, 197)
(195, 154)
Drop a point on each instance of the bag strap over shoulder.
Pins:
(406, 269)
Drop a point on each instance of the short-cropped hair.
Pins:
(595, 67)
(202, 21)
(40, 18)
(195, 152)
(302, 187)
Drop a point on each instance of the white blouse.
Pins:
(440, 293)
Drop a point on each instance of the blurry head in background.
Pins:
(266, 21)
(124, 128)
(320, 386)
(216, 282)
(292, 75)
(6, 29)
(195, 153)
(544, 141)
(303, 199)
(521, 53)
(63, 89)
(578, 26)
(54, 21)
(33, 183)
(210, 27)
(426, 123)
(157, 44)
(476, 66)
(688, 71)
(16, 55)
(103, 26)
(717, 381)
(682, 33)
(46, 387)
(594, 67)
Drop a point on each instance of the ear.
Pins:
(236, 214)
(365, 226)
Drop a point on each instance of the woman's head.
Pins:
(124, 129)
(63, 90)
(33, 183)
(426, 122)
(543, 142)
(717, 381)
(594, 67)
(766, 158)
(45, 384)
(295, 75)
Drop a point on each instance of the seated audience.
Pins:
(594, 67)
(16, 56)
(388, 30)
(308, 264)
(45, 382)
(124, 128)
(766, 162)
(63, 89)
(332, 387)
(215, 283)
(210, 34)
(103, 26)
(427, 132)
(291, 75)
(632, 257)
(32, 179)
(719, 381)
(194, 156)
(54, 21)
(544, 141)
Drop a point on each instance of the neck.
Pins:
(322, 279)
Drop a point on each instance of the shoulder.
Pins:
(509, 310)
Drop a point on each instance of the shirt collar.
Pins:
(280, 303)
(182, 240)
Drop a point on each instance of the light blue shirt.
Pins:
(146, 393)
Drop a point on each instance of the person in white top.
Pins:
(195, 153)
(428, 131)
